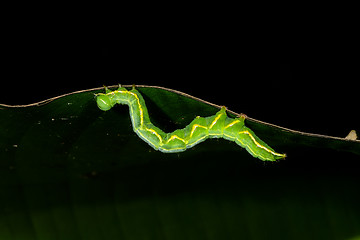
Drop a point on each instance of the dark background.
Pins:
(308, 85)
(300, 81)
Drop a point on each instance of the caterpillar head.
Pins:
(103, 101)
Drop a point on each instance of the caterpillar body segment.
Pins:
(201, 128)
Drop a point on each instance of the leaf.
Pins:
(71, 171)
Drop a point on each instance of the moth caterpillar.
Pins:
(201, 128)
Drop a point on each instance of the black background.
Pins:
(303, 78)
(308, 85)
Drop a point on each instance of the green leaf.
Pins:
(71, 171)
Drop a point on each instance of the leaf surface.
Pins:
(71, 171)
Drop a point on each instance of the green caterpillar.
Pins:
(217, 126)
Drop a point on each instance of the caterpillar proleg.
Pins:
(201, 128)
